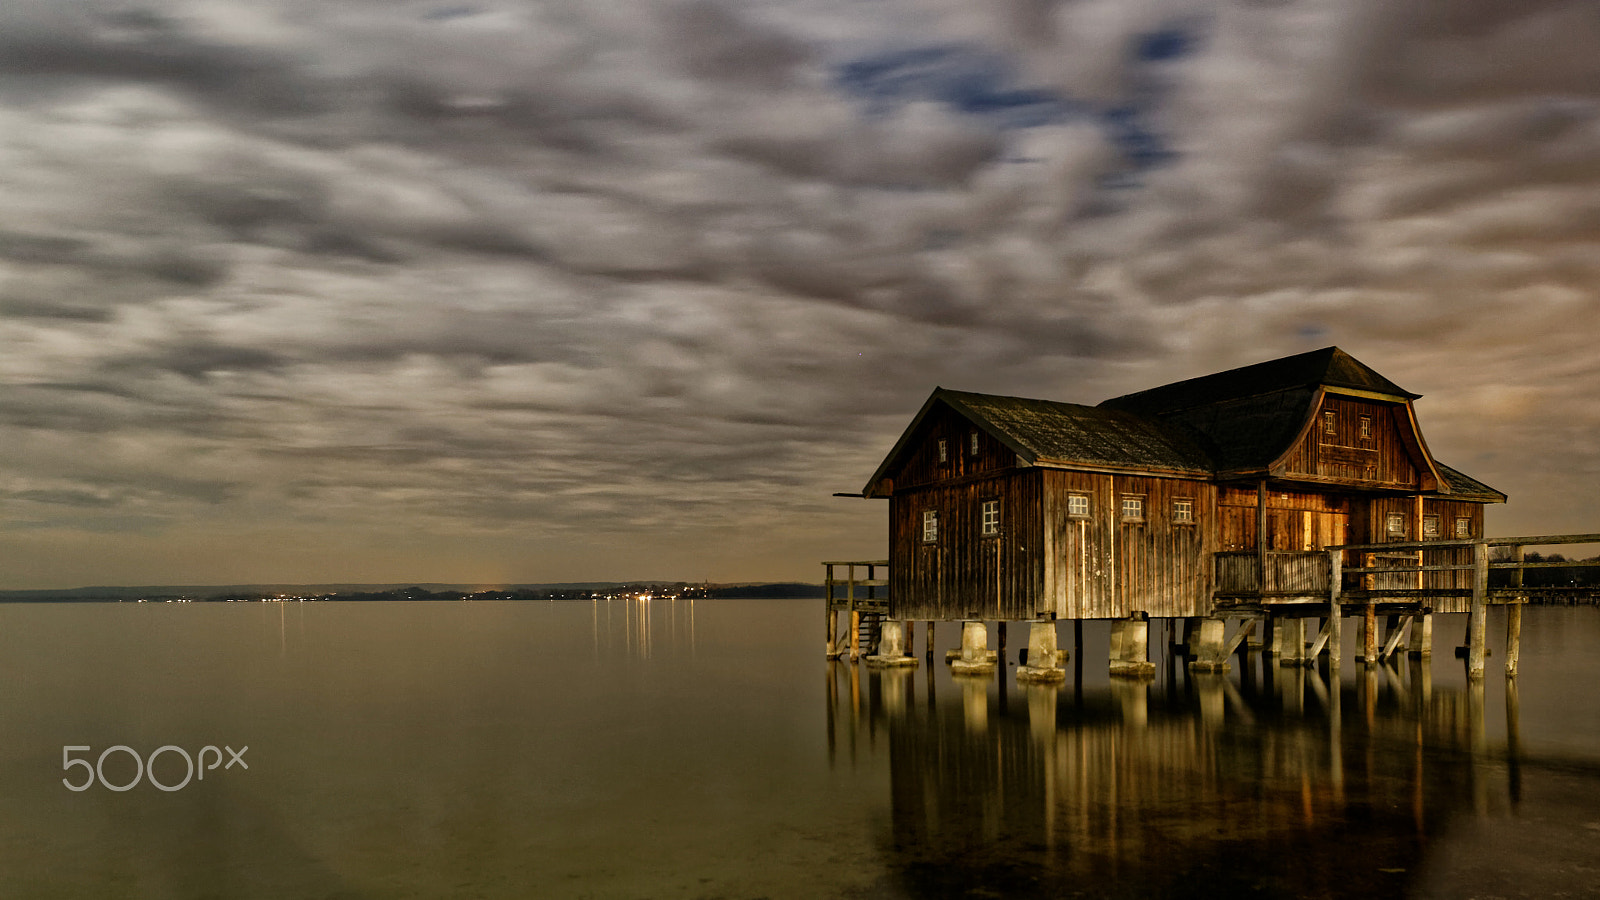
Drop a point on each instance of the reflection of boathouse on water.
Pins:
(1195, 784)
(1202, 502)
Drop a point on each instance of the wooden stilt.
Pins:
(1369, 635)
(1335, 611)
(1421, 635)
(930, 639)
(911, 638)
(855, 635)
(1513, 637)
(1480, 596)
(832, 631)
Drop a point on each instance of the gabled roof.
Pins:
(1328, 367)
(1048, 433)
(1465, 487)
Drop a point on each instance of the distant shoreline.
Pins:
(567, 591)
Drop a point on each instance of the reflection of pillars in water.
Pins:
(1369, 695)
(853, 679)
(1335, 734)
(1421, 672)
(1514, 740)
(1133, 698)
(1479, 741)
(1042, 727)
(831, 700)
(1292, 688)
(975, 705)
(895, 688)
(1208, 688)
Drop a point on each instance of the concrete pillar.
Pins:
(1291, 636)
(891, 646)
(1272, 641)
(1208, 647)
(1421, 644)
(975, 658)
(1130, 648)
(1044, 659)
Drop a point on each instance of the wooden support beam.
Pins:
(1397, 628)
(1513, 638)
(1480, 596)
(1335, 611)
(1246, 628)
(1323, 635)
(1369, 634)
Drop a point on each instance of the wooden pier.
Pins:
(1404, 582)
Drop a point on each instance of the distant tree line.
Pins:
(1577, 577)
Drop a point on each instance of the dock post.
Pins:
(1335, 611)
(1208, 646)
(833, 630)
(891, 646)
(1421, 646)
(910, 639)
(1000, 638)
(930, 639)
(1513, 637)
(1480, 591)
(975, 658)
(1130, 647)
(1369, 634)
(1044, 659)
(855, 634)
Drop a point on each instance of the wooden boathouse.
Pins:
(1201, 500)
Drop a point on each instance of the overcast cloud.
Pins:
(587, 289)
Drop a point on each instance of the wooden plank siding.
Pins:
(1383, 459)
(923, 466)
(1102, 566)
(965, 574)
(1296, 520)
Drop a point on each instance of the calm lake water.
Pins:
(706, 750)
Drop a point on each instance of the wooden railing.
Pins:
(1287, 572)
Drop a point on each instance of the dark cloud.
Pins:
(504, 276)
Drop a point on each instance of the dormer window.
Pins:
(974, 443)
(944, 450)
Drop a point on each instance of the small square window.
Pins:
(1330, 422)
(991, 517)
(973, 442)
(1183, 512)
(1366, 428)
(944, 450)
(1078, 505)
(930, 526)
(1397, 525)
(1430, 527)
(1463, 526)
(1132, 509)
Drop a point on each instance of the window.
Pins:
(974, 443)
(1132, 508)
(991, 518)
(1078, 506)
(1183, 512)
(1397, 525)
(1430, 527)
(944, 450)
(1330, 422)
(1463, 526)
(1366, 428)
(930, 526)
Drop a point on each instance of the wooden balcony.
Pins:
(1288, 574)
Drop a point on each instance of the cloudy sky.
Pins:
(486, 291)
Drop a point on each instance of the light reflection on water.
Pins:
(672, 749)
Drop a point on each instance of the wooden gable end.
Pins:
(921, 462)
(1360, 442)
